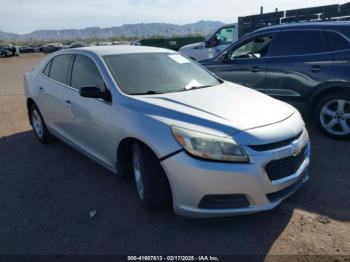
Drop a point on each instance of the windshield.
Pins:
(154, 73)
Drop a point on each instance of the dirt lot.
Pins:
(47, 193)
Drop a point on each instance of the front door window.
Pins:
(257, 48)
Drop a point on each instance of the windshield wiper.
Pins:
(150, 92)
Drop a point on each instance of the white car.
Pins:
(214, 45)
(211, 147)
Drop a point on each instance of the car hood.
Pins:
(228, 108)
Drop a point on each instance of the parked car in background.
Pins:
(305, 64)
(8, 50)
(5, 50)
(104, 43)
(40, 48)
(215, 43)
(50, 48)
(77, 45)
(136, 43)
(212, 147)
(27, 49)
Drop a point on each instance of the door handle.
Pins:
(316, 68)
(255, 69)
(68, 103)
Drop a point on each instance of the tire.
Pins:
(39, 127)
(332, 115)
(151, 182)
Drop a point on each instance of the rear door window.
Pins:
(47, 68)
(301, 42)
(60, 67)
(336, 42)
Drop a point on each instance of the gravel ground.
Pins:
(56, 201)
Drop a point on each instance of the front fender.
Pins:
(153, 132)
(325, 89)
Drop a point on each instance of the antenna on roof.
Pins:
(261, 10)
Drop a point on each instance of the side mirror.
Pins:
(94, 92)
(212, 42)
(224, 57)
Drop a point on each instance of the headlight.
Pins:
(209, 146)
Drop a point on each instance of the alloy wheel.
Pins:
(138, 175)
(335, 117)
(37, 124)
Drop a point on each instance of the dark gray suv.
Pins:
(305, 64)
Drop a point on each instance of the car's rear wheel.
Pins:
(151, 182)
(333, 115)
(39, 126)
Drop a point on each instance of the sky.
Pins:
(25, 16)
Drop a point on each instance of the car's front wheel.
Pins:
(38, 124)
(151, 182)
(333, 115)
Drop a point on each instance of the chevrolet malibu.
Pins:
(209, 147)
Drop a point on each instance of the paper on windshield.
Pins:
(179, 59)
(191, 84)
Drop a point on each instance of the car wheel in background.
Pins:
(333, 115)
(151, 182)
(38, 125)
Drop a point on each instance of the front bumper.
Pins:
(192, 179)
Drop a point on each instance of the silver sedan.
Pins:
(209, 147)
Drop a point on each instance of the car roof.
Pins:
(304, 25)
(123, 49)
